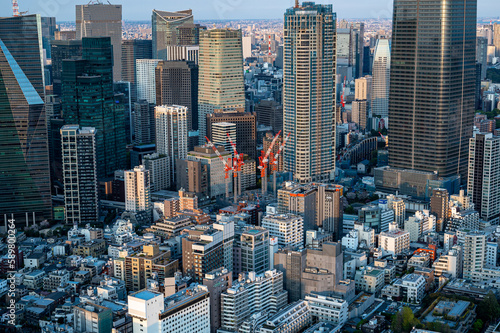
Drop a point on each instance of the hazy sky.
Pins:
(64, 10)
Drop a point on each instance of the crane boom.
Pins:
(265, 158)
(275, 160)
(217, 153)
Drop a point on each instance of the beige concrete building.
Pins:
(220, 80)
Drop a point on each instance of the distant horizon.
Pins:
(64, 10)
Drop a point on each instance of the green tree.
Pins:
(478, 326)
(488, 309)
(349, 210)
(404, 321)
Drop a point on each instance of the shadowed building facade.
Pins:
(431, 105)
(24, 166)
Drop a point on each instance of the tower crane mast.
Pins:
(227, 168)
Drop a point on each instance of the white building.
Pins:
(395, 241)
(449, 263)
(474, 248)
(491, 256)
(159, 167)
(294, 318)
(381, 78)
(422, 222)
(288, 228)
(146, 82)
(137, 190)
(399, 207)
(412, 287)
(184, 312)
(328, 309)
(351, 240)
(246, 42)
(250, 294)
(172, 134)
(220, 133)
(366, 235)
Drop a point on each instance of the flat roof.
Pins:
(145, 295)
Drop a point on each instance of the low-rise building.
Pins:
(369, 279)
(327, 308)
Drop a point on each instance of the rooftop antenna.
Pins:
(15, 8)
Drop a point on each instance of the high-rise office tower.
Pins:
(102, 20)
(171, 134)
(431, 105)
(221, 131)
(80, 174)
(173, 28)
(496, 38)
(381, 78)
(482, 55)
(246, 129)
(146, 86)
(22, 36)
(350, 47)
(88, 100)
(217, 282)
(253, 245)
(474, 248)
(144, 122)
(61, 50)
(363, 88)
(24, 170)
(137, 190)
(359, 113)
(132, 50)
(177, 84)
(220, 80)
(270, 113)
(440, 202)
(48, 34)
(483, 185)
(308, 91)
(54, 120)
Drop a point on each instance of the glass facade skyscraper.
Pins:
(173, 28)
(431, 105)
(24, 154)
(22, 35)
(309, 91)
(88, 100)
(380, 78)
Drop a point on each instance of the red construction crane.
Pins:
(342, 98)
(385, 139)
(15, 8)
(274, 161)
(227, 168)
(263, 164)
(237, 164)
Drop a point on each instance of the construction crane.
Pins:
(386, 139)
(227, 168)
(15, 8)
(274, 162)
(342, 97)
(237, 164)
(263, 164)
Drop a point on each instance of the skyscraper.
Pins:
(431, 105)
(381, 78)
(173, 28)
(102, 20)
(80, 174)
(22, 36)
(483, 185)
(171, 134)
(132, 50)
(145, 79)
(24, 170)
(220, 83)
(144, 121)
(496, 38)
(137, 190)
(482, 55)
(88, 100)
(177, 84)
(61, 50)
(308, 91)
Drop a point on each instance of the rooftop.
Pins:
(145, 295)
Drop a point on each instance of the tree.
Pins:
(488, 309)
(404, 321)
(478, 326)
(349, 210)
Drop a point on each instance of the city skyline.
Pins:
(64, 10)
